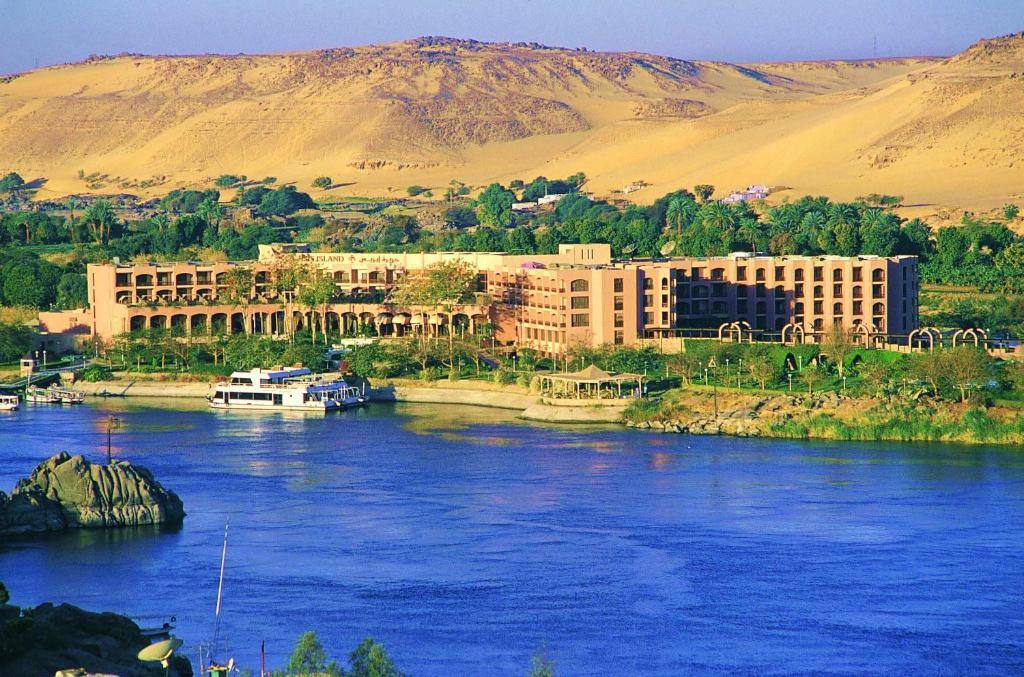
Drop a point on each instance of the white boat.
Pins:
(66, 396)
(41, 396)
(285, 388)
(8, 402)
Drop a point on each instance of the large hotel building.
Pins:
(550, 303)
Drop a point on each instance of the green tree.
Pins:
(495, 206)
(837, 344)
(11, 182)
(316, 291)
(460, 217)
(229, 180)
(323, 182)
(371, 660)
(15, 341)
(100, 220)
(22, 287)
(72, 291)
(762, 367)
(309, 656)
(1010, 211)
(415, 190)
(967, 367)
(704, 191)
(812, 376)
(283, 201)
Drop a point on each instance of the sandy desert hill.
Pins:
(379, 118)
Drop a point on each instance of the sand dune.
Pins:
(379, 118)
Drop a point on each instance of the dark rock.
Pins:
(67, 492)
(49, 638)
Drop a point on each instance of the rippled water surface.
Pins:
(463, 539)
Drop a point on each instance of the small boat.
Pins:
(41, 396)
(285, 388)
(9, 402)
(66, 396)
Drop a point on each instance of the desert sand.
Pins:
(944, 133)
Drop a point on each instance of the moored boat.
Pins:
(41, 396)
(8, 402)
(66, 396)
(285, 388)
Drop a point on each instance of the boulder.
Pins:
(67, 492)
(50, 639)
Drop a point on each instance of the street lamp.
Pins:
(790, 374)
(112, 423)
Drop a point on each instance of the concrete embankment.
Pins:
(181, 389)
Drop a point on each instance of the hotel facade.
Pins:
(550, 303)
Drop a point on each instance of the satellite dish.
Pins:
(667, 248)
(629, 249)
(161, 651)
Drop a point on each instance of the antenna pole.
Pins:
(220, 586)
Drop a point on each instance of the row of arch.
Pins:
(279, 322)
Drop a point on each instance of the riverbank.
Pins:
(530, 405)
(825, 415)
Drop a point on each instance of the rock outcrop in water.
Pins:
(67, 492)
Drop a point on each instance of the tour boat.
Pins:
(41, 396)
(285, 388)
(8, 402)
(66, 396)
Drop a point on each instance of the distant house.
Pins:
(748, 193)
(634, 186)
(524, 206)
(548, 199)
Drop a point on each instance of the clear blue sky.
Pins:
(42, 32)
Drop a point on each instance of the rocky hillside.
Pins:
(67, 492)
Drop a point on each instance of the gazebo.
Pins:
(589, 383)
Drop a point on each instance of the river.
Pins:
(464, 539)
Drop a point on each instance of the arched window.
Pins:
(579, 285)
(780, 291)
(878, 309)
(798, 274)
(664, 283)
(858, 292)
(718, 273)
(798, 309)
(837, 308)
(877, 275)
(819, 292)
(837, 275)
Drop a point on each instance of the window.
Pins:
(819, 308)
(837, 275)
(780, 273)
(580, 302)
(741, 273)
(858, 307)
(878, 275)
(837, 290)
(664, 318)
(648, 318)
(741, 307)
(618, 303)
(798, 290)
(780, 307)
(684, 309)
(718, 308)
(617, 285)
(580, 320)
(819, 292)
(760, 290)
(798, 309)
(837, 308)
(664, 299)
(858, 292)
(878, 309)
(124, 279)
(761, 308)
(664, 283)
(697, 273)
(648, 300)
(718, 290)
(619, 339)
(819, 273)
(718, 273)
(759, 275)
(648, 283)
(780, 291)
(618, 320)
(579, 285)
(858, 274)
(878, 291)
(741, 291)
(798, 274)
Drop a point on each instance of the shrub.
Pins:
(413, 191)
(97, 372)
(322, 182)
(229, 180)
(504, 377)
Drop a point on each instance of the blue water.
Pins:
(463, 539)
